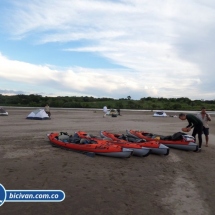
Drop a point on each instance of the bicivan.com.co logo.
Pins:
(30, 195)
(2, 194)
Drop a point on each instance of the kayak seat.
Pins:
(86, 141)
(122, 137)
(63, 137)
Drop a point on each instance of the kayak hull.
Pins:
(144, 152)
(125, 153)
(188, 147)
(110, 150)
(138, 150)
(161, 150)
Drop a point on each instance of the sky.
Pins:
(108, 48)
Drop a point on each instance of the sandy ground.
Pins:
(180, 183)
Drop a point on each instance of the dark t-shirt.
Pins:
(193, 121)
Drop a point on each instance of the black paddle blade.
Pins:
(90, 154)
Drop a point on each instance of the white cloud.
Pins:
(95, 82)
(150, 38)
(73, 80)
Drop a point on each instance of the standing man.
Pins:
(205, 117)
(47, 110)
(196, 123)
(105, 111)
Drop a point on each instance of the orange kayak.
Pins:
(98, 147)
(186, 142)
(137, 149)
(154, 146)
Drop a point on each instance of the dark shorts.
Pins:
(205, 131)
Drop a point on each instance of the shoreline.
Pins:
(100, 109)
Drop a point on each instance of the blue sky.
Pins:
(112, 49)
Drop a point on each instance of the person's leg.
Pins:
(206, 139)
(200, 138)
(206, 132)
(199, 130)
(194, 133)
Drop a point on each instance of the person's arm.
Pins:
(190, 125)
(208, 117)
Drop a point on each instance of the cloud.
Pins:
(11, 92)
(85, 81)
(73, 80)
(166, 46)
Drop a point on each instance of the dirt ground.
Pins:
(180, 183)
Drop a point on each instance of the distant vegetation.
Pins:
(148, 103)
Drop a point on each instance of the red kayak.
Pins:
(154, 146)
(98, 147)
(184, 142)
(138, 150)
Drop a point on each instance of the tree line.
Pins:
(147, 103)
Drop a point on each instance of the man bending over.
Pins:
(194, 122)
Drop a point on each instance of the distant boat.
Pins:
(160, 114)
(3, 112)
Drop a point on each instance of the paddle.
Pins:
(90, 154)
